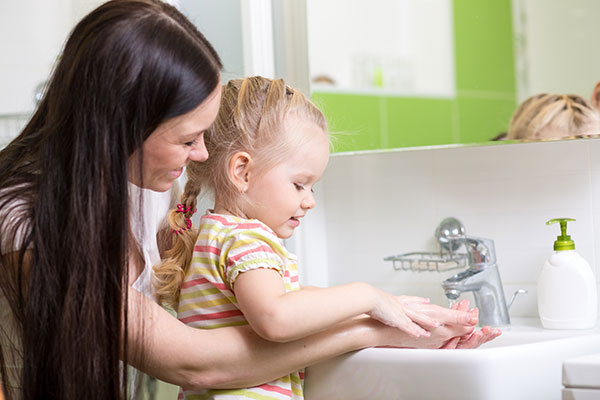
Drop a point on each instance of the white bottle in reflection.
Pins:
(567, 297)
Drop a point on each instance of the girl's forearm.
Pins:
(282, 317)
(309, 311)
(163, 347)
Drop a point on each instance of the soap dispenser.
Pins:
(566, 286)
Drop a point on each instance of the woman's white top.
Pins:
(156, 207)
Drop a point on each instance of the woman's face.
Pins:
(173, 144)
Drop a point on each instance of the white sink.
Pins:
(524, 363)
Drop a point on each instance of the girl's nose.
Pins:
(198, 151)
(308, 202)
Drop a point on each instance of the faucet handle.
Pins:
(447, 234)
(481, 250)
(514, 296)
(450, 234)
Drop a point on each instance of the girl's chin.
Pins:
(284, 233)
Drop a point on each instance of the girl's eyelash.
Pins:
(302, 187)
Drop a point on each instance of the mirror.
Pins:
(428, 72)
(388, 74)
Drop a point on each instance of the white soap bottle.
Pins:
(567, 296)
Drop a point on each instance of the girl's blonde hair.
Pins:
(561, 115)
(252, 118)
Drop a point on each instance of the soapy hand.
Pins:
(457, 329)
(399, 312)
(474, 339)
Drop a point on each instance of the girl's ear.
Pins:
(239, 170)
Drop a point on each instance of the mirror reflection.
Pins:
(387, 74)
(429, 72)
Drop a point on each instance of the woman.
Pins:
(126, 107)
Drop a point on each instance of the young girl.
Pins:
(554, 116)
(267, 149)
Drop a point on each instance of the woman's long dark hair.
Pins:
(126, 67)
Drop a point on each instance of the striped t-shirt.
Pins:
(226, 246)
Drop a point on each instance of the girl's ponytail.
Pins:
(168, 276)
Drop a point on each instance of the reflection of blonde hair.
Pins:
(553, 116)
(252, 118)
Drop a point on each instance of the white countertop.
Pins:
(582, 371)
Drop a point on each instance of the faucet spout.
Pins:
(487, 290)
(482, 278)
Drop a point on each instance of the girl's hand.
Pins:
(475, 338)
(397, 312)
(457, 329)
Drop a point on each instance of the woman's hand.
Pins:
(474, 340)
(400, 312)
(456, 330)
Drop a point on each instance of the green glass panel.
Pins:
(354, 120)
(414, 122)
(483, 40)
(482, 119)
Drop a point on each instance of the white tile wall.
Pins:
(379, 204)
(32, 33)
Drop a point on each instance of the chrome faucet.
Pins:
(481, 277)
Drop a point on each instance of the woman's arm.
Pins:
(232, 357)
(281, 316)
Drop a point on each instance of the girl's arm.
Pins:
(232, 357)
(280, 317)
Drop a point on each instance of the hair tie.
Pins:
(182, 208)
(188, 222)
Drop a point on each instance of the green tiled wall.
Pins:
(485, 92)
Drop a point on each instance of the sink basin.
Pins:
(524, 363)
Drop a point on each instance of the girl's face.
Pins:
(173, 144)
(281, 196)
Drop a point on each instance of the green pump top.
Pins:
(563, 242)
